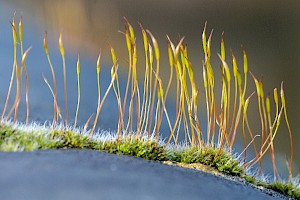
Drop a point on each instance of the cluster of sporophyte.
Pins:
(142, 110)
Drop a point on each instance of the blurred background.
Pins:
(269, 31)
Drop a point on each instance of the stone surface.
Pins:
(91, 175)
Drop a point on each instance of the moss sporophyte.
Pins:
(142, 110)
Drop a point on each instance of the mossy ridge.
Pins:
(285, 188)
(15, 139)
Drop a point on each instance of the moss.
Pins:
(17, 140)
(288, 189)
(215, 158)
(250, 179)
(67, 139)
(285, 188)
(149, 150)
(13, 139)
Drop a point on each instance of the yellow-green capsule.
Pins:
(45, 44)
(261, 89)
(128, 42)
(113, 56)
(276, 96)
(98, 63)
(204, 39)
(279, 119)
(190, 71)
(268, 104)
(210, 75)
(155, 45)
(15, 37)
(227, 71)
(24, 56)
(21, 29)
(223, 47)
(257, 88)
(246, 106)
(78, 65)
(282, 96)
(61, 45)
(170, 53)
(245, 62)
(208, 45)
(204, 77)
(134, 63)
(256, 85)
(234, 64)
(161, 90)
(196, 96)
(145, 38)
(131, 32)
(247, 103)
